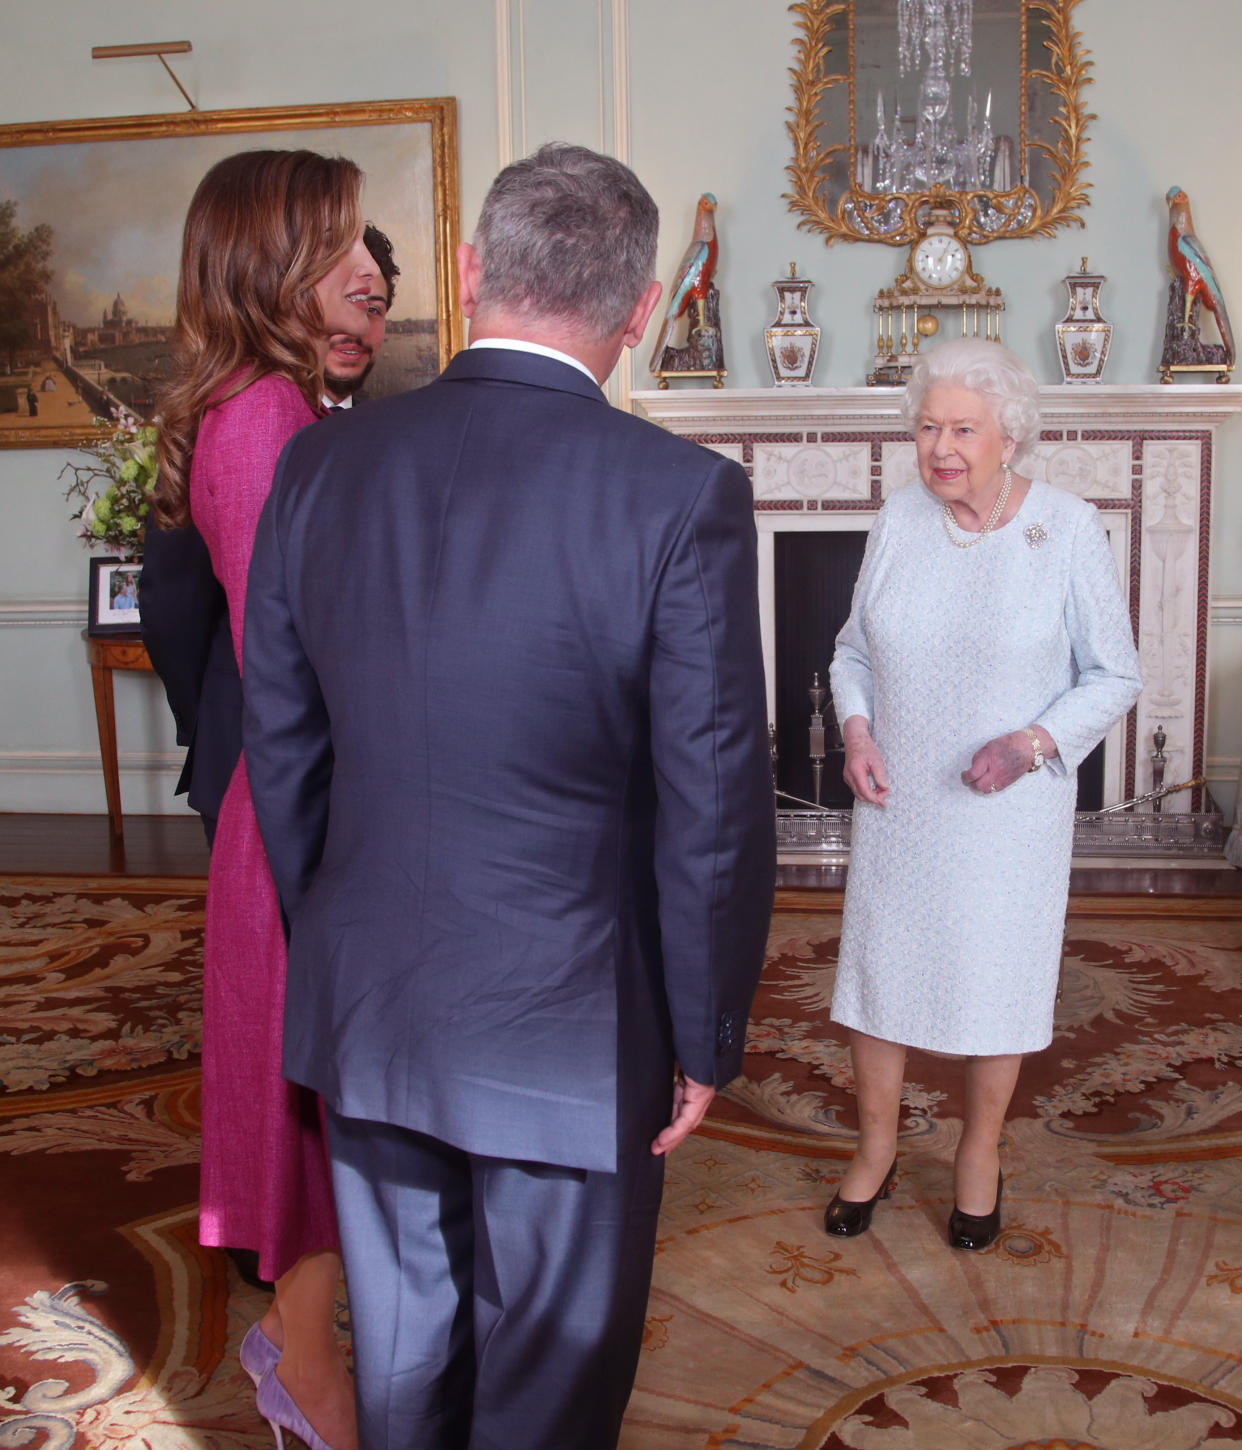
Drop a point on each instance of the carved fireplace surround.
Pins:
(826, 458)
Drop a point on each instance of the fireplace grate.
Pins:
(1136, 833)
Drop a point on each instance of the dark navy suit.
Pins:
(185, 627)
(505, 734)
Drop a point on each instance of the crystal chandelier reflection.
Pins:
(944, 30)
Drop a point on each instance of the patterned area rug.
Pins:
(116, 1328)
(1107, 1317)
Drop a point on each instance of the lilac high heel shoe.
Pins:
(278, 1409)
(257, 1354)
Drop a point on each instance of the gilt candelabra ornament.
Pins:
(693, 295)
(1194, 285)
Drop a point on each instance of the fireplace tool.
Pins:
(1152, 795)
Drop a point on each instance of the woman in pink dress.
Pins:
(272, 264)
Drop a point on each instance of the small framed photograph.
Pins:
(114, 597)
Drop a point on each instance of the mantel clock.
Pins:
(939, 277)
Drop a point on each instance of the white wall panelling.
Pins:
(504, 88)
(693, 96)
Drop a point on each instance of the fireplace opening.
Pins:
(1091, 781)
(813, 588)
(814, 585)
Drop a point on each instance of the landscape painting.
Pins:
(91, 214)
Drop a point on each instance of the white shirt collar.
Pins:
(344, 403)
(514, 345)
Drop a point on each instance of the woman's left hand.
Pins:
(999, 763)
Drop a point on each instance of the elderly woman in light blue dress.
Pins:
(988, 649)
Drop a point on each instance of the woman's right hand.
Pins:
(864, 765)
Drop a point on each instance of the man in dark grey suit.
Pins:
(505, 734)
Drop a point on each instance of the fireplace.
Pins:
(813, 577)
(813, 573)
(822, 461)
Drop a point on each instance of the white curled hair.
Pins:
(986, 368)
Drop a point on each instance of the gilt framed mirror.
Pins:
(902, 104)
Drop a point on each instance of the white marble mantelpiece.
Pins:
(1098, 405)
(826, 458)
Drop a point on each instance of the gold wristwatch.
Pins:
(1038, 758)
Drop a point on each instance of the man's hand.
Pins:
(691, 1101)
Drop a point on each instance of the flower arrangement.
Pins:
(115, 515)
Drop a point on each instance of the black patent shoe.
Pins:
(973, 1230)
(846, 1218)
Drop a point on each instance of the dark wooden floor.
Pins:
(83, 846)
(175, 846)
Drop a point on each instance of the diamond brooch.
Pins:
(1035, 535)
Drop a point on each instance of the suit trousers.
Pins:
(496, 1304)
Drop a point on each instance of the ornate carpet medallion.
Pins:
(1108, 1314)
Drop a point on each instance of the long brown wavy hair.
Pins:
(262, 229)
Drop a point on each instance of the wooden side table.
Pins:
(108, 652)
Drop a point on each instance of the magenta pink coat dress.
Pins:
(265, 1175)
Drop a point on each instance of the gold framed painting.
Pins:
(91, 213)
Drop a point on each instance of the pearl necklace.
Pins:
(950, 523)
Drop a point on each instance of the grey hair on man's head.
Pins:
(567, 235)
(983, 367)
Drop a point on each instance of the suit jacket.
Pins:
(185, 627)
(505, 735)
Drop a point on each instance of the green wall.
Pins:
(693, 94)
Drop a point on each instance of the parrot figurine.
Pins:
(1191, 263)
(694, 276)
